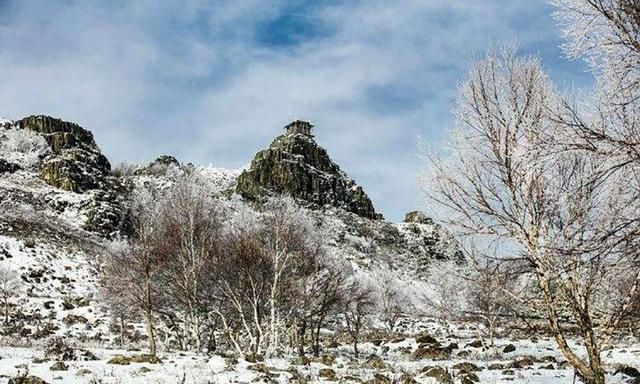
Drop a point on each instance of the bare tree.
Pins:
(291, 243)
(319, 294)
(358, 305)
(545, 209)
(190, 237)
(243, 286)
(445, 292)
(392, 300)
(9, 284)
(131, 271)
(490, 295)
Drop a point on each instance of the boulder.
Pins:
(7, 167)
(59, 366)
(406, 378)
(468, 367)
(627, 370)
(509, 348)
(375, 362)
(119, 360)
(426, 339)
(379, 378)
(26, 380)
(328, 374)
(433, 353)
(439, 374)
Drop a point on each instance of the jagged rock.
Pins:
(158, 167)
(296, 165)
(76, 163)
(417, 217)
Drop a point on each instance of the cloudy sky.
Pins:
(212, 82)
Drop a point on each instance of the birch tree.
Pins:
(359, 303)
(544, 208)
(9, 284)
(190, 241)
(131, 271)
(292, 245)
(392, 300)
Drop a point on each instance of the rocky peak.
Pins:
(76, 163)
(159, 166)
(417, 217)
(295, 165)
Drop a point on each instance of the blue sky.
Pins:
(212, 82)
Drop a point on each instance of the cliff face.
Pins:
(295, 165)
(75, 163)
(66, 157)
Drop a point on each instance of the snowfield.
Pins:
(388, 359)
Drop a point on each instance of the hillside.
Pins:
(62, 206)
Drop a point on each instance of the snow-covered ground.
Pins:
(393, 358)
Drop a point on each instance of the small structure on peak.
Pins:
(302, 127)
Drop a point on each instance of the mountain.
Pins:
(62, 205)
(294, 164)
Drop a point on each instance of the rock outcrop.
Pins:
(66, 157)
(75, 163)
(418, 218)
(295, 165)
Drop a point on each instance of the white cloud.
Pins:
(190, 78)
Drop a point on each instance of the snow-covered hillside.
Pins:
(57, 221)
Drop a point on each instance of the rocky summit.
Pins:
(75, 163)
(295, 165)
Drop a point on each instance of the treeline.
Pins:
(256, 283)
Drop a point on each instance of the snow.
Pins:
(198, 369)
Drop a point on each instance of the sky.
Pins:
(213, 82)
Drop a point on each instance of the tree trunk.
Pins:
(302, 331)
(122, 331)
(316, 351)
(212, 345)
(6, 311)
(151, 333)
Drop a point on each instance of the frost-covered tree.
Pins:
(189, 240)
(548, 210)
(358, 305)
(319, 294)
(491, 293)
(291, 243)
(131, 272)
(391, 298)
(261, 272)
(22, 146)
(9, 285)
